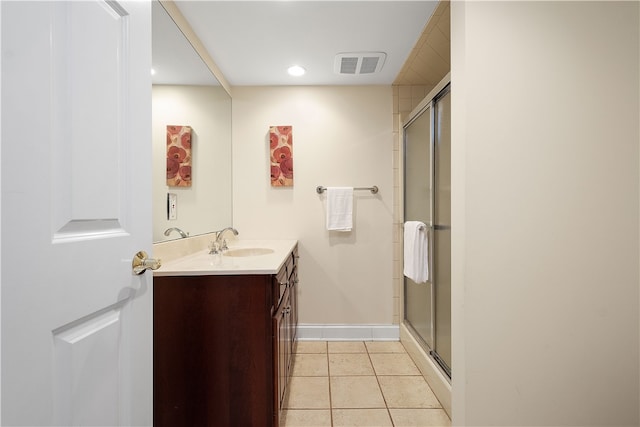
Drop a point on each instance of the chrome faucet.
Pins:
(215, 247)
(169, 230)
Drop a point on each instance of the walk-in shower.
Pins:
(427, 198)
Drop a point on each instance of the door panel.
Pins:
(417, 207)
(76, 323)
(92, 345)
(89, 101)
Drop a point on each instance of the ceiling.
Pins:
(254, 42)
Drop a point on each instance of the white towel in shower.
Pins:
(339, 208)
(416, 251)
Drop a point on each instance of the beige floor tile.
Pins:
(350, 364)
(308, 393)
(385, 347)
(346, 347)
(407, 392)
(361, 418)
(356, 392)
(306, 418)
(311, 347)
(310, 365)
(393, 364)
(420, 418)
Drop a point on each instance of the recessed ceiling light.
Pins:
(296, 70)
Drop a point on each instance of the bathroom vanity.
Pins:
(224, 336)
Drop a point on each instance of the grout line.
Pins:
(386, 405)
(329, 381)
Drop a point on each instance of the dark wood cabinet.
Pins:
(285, 322)
(223, 347)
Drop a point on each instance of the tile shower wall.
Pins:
(427, 64)
(342, 136)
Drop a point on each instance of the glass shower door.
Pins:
(417, 207)
(427, 198)
(442, 229)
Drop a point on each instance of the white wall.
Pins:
(545, 202)
(206, 205)
(342, 136)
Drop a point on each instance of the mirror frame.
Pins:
(182, 24)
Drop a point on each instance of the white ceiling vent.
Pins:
(359, 62)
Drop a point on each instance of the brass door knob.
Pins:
(141, 262)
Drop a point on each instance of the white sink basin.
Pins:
(245, 252)
(243, 257)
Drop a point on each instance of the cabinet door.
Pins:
(277, 382)
(214, 351)
(293, 302)
(285, 341)
(281, 353)
(286, 327)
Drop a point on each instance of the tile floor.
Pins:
(351, 384)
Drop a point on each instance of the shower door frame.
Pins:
(429, 340)
(427, 106)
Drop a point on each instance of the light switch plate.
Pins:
(172, 206)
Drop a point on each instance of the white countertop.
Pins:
(201, 263)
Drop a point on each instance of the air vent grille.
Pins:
(359, 62)
(369, 64)
(348, 65)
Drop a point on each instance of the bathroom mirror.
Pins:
(186, 93)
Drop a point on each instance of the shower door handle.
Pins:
(441, 227)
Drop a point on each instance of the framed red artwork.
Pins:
(178, 156)
(281, 149)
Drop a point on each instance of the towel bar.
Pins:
(435, 227)
(320, 189)
(421, 227)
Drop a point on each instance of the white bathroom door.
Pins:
(75, 208)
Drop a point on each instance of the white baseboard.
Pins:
(333, 332)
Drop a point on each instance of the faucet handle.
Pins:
(214, 248)
(224, 246)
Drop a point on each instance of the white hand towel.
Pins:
(339, 208)
(416, 251)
